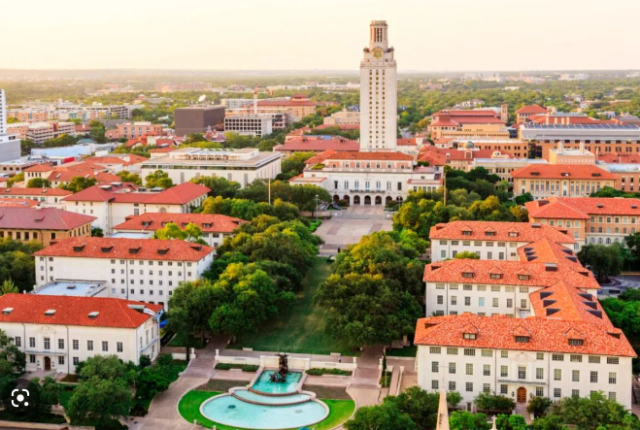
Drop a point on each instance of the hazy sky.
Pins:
(429, 35)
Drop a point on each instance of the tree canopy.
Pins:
(158, 179)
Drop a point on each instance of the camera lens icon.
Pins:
(20, 398)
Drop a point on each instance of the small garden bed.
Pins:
(385, 380)
(409, 351)
(325, 371)
(243, 367)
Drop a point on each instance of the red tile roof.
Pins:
(34, 192)
(44, 167)
(69, 310)
(408, 142)
(209, 223)
(619, 158)
(132, 249)
(563, 171)
(441, 156)
(531, 109)
(499, 332)
(500, 231)
(112, 160)
(331, 154)
(582, 208)
(17, 203)
(535, 273)
(567, 119)
(41, 219)
(126, 193)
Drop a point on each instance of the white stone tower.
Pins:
(3, 112)
(378, 92)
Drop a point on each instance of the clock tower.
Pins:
(378, 92)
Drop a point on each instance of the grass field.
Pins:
(189, 408)
(302, 328)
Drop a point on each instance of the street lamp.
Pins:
(317, 208)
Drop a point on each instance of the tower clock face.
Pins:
(377, 53)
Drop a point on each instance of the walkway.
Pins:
(350, 225)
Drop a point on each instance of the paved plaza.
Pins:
(348, 226)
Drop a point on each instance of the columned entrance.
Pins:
(47, 363)
(367, 200)
(522, 395)
(378, 200)
(356, 200)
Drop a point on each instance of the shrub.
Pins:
(243, 367)
(325, 371)
(494, 403)
(165, 360)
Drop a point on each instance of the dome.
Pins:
(468, 145)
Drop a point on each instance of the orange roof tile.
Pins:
(503, 232)
(562, 171)
(582, 207)
(41, 219)
(531, 109)
(209, 223)
(69, 310)
(34, 192)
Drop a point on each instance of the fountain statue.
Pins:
(281, 374)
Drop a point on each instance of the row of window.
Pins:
(575, 358)
(61, 344)
(495, 302)
(494, 288)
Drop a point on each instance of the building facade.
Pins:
(58, 332)
(9, 143)
(46, 197)
(196, 119)
(146, 270)
(240, 165)
(378, 92)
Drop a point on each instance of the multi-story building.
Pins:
(317, 144)
(368, 178)
(196, 119)
(589, 220)
(39, 132)
(597, 138)
(491, 240)
(503, 167)
(46, 197)
(561, 180)
(58, 332)
(249, 125)
(134, 130)
(145, 270)
(524, 113)
(240, 165)
(43, 225)
(378, 92)
(112, 203)
(9, 143)
(516, 148)
(215, 227)
(520, 328)
(468, 124)
(17, 165)
(65, 111)
(295, 108)
(65, 173)
(344, 117)
(461, 158)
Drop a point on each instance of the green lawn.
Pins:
(189, 408)
(409, 351)
(301, 329)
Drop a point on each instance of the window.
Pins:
(575, 375)
(539, 373)
(494, 302)
(435, 367)
(522, 339)
(557, 393)
(60, 343)
(61, 360)
(469, 369)
(593, 377)
(612, 395)
(32, 342)
(557, 357)
(613, 360)
(452, 351)
(469, 352)
(504, 354)
(540, 391)
(452, 368)
(18, 341)
(469, 386)
(434, 350)
(575, 393)
(613, 378)
(119, 346)
(435, 385)
(486, 388)
(557, 374)
(504, 389)
(594, 359)
(47, 343)
(487, 353)
(89, 345)
(504, 371)
(540, 356)
(452, 385)
(575, 358)
(32, 358)
(522, 373)
(486, 370)
(76, 344)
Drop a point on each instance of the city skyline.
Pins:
(456, 36)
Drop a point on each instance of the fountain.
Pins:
(281, 375)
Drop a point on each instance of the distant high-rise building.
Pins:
(9, 144)
(378, 92)
(196, 119)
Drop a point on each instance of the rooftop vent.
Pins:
(106, 249)
(586, 296)
(547, 303)
(163, 251)
(7, 311)
(146, 223)
(545, 294)
(600, 205)
(551, 311)
(78, 248)
(134, 250)
(50, 312)
(93, 314)
(574, 259)
(71, 287)
(595, 313)
(40, 219)
(536, 225)
(592, 305)
(196, 247)
(634, 206)
(550, 267)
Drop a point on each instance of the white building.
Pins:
(9, 144)
(146, 270)
(215, 227)
(344, 117)
(491, 240)
(249, 125)
(378, 92)
(58, 332)
(240, 165)
(111, 204)
(46, 197)
(521, 358)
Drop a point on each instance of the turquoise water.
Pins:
(272, 400)
(264, 385)
(230, 411)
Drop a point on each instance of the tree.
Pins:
(218, 186)
(151, 381)
(38, 183)
(17, 263)
(294, 164)
(511, 422)
(524, 198)
(18, 177)
(494, 403)
(633, 243)
(190, 308)
(126, 176)
(467, 254)
(538, 405)
(190, 233)
(8, 287)
(104, 367)
(99, 400)
(158, 179)
(381, 417)
(603, 261)
(12, 360)
(247, 210)
(610, 192)
(97, 132)
(420, 405)
(463, 420)
(97, 232)
(78, 184)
